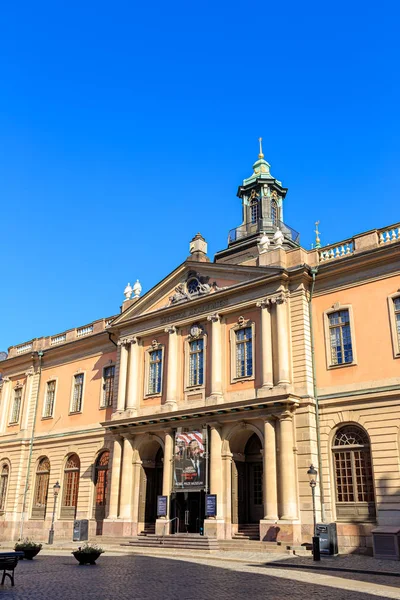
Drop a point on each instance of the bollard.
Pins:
(315, 548)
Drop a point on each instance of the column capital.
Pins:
(270, 419)
(171, 329)
(264, 303)
(128, 436)
(30, 372)
(6, 379)
(127, 341)
(286, 415)
(214, 318)
(214, 425)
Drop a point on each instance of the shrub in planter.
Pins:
(88, 554)
(29, 548)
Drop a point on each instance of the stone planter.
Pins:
(29, 553)
(86, 558)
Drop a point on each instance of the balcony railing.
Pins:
(261, 225)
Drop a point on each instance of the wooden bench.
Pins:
(8, 562)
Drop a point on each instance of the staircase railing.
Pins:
(166, 523)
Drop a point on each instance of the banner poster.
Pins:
(190, 460)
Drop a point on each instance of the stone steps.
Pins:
(177, 541)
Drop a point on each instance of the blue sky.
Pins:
(126, 128)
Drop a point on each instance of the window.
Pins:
(70, 487)
(274, 212)
(16, 407)
(341, 350)
(254, 210)
(155, 371)
(244, 352)
(108, 386)
(49, 400)
(41, 489)
(77, 393)
(101, 478)
(396, 302)
(353, 474)
(196, 362)
(5, 471)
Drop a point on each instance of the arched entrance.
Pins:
(151, 476)
(101, 489)
(247, 482)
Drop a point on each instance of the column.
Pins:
(126, 480)
(267, 379)
(216, 355)
(283, 340)
(162, 525)
(269, 479)
(123, 365)
(172, 371)
(287, 471)
(28, 400)
(132, 401)
(115, 478)
(216, 474)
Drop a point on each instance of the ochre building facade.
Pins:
(227, 378)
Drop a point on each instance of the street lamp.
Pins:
(56, 489)
(312, 476)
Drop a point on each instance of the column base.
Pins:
(119, 528)
(130, 412)
(277, 531)
(214, 528)
(169, 406)
(217, 398)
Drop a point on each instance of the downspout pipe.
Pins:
(40, 356)
(314, 272)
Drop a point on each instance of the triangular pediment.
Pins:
(190, 281)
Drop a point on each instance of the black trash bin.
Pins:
(327, 538)
(81, 530)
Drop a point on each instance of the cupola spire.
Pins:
(261, 155)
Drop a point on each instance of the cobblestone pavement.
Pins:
(137, 577)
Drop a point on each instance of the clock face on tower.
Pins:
(193, 285)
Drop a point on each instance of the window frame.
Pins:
(68, 512)
(17, 387)
(354, 508)
(4, 496)
(103, 383)
(255, 205)
(44, 416)
(77, 412)
(393, 325)
(154, 346)
(189, 339)
(242, 324)
(337, 307)
(38, 512)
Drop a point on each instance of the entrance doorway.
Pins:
(150, 488)
(247, 483)
(188, 508)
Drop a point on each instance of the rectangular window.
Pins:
(396, 303)
(108, 386)
(196, 362)
(77, 393)
(155, 370)
(49, 400)
(340, 337)
(244, 352)
(16, 407)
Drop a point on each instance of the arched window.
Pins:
(101, 478)
(353, 474)
(41, 489)
(70, 487)
(254, 210)
(5, 471)
(274, 212)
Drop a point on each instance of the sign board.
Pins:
(162, 506)
(190, 464)
(211, 505)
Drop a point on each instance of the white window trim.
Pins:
(328, 354)
(393, 328)
(44, 416)
(71, 399)
(242, 324)
(21, 406)
(6, 462)
(155, 346)
(103, 379)
(188, 387)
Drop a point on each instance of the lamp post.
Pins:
(312, 476)
(56, 489)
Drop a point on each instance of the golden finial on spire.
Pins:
(317, 239)
(261, 155)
